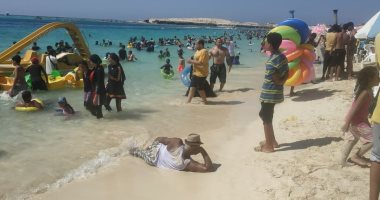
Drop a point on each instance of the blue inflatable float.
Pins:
(185, 76)
(299, 25)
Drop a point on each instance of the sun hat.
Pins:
(193, 139)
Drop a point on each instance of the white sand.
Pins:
(305, 167)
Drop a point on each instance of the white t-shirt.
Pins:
(51, 61)
(171, 160)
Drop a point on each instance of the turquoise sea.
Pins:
(40, 151)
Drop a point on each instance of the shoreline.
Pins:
(305, 165)
(207, 22)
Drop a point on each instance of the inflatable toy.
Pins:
(300, 56)
(287, 46)
(307, 46)
(185, 76)
(308, 54)
(301, 27)
(288, 33)
(167, 76)
(28, 109)
(70, 79)
(56, 83)
(180, 68)
(292, 80)
(295, 54)
(294, 63)
(6, 82)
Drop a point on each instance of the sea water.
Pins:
(39, 150)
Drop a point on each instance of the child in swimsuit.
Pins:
(167, 67)
(64, 107)
(28, 102)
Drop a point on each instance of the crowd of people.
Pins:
(174, 153)
(340, 45)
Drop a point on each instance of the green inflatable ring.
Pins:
(167, 76)
(288, 33)
(294, 63)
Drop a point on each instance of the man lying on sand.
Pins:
(173, 153)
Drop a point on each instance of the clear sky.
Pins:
(262, 11)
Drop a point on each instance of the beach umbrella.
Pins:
(370, 29)
(319, 29)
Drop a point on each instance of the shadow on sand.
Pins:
(239, 90)
(215, 167)
(304, 144)
(313, 94)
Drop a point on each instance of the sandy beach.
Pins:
(307, 127)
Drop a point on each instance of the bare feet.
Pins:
(359, 161)
(275, 144)
(264, 149)
(204, 102)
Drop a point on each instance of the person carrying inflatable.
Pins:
(28, 104)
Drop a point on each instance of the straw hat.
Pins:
(193, 139)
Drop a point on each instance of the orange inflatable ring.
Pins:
(309, 55)
(295, 54)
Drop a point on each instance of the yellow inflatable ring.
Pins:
(288, 33)
(29, 109)
(292, 81)
(307, 46)
(70, 77)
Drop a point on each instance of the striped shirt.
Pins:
(272, 93)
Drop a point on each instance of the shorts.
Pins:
(375, 155)
(149, 155)
(17, 89)
(338, 57)
(218, 70)
(39, 85)
(362, 131)
(198, 82)
(266, 112)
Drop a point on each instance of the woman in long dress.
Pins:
(115, 85)
(98, 93)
